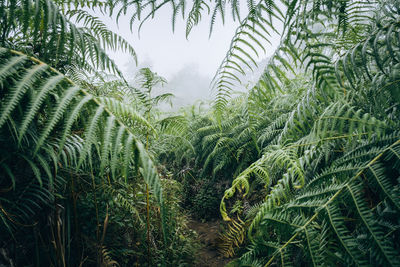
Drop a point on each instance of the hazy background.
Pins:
(188, 65)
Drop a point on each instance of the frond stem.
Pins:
(330, 201)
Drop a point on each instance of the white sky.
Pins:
(188, 65)
(168, 52)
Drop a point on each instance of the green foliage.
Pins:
(48, 30)
(313, 145)
(311, 151)
(327, 168)
(205, 202)
(39, 108)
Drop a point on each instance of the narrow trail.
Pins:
(208, 255)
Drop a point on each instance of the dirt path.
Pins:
(208, 234)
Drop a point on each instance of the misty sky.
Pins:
(188, 65)
(170, 52)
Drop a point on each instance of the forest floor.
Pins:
(208, 232)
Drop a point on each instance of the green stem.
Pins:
(330, 201)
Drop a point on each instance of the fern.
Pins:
(35, 141)
(232, 237)
(41, 28)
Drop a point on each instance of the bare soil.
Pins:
(208, 255)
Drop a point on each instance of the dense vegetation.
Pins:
(305, 166)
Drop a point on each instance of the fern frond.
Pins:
(232, 237)
(43, 141)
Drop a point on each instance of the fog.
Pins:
(188, 64)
